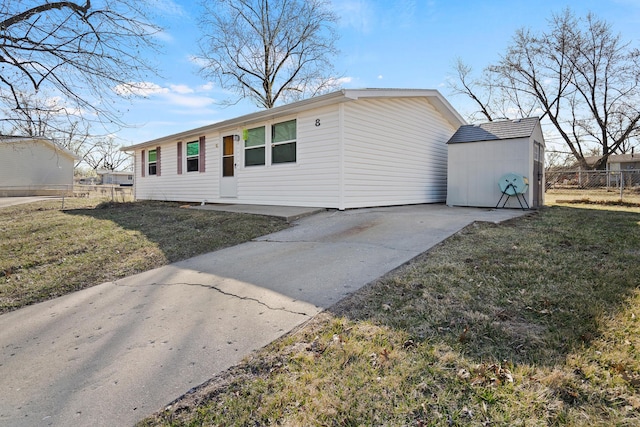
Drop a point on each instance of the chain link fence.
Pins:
(113, 192)
(592, 186)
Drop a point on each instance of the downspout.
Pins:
(135, 178)
(341, 162)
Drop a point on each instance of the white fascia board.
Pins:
(247, 119)
(46, 141)
(435, 97)
(344, 95)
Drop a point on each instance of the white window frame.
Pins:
(285, 142)
(263, 146)
(192, 157)
(154, 163)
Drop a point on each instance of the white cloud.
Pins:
(164, 36)
(181, 89)
(169, 7)
(173, 95)
(206, 87)
(144, 89)
(341, 81)
(196, 102)
(196, 60)
(357, 14)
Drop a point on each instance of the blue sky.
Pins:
(384, 43)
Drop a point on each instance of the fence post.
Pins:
(621, 184)
(580, 177)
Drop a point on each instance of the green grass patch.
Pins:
(48, 252)
(533, 322)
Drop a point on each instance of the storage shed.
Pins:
(347, 149)
(34, 166)
(109, 177)
(480, 155)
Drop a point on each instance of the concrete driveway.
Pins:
(117, 352)
(11, 201)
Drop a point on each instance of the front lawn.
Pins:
(534, 322)
(47, 252)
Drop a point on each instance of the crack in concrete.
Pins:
(230, 294)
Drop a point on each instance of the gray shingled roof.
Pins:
(507, 129)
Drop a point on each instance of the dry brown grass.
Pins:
(47, 251)
(630, 198)
(533, 322)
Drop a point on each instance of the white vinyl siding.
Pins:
(395, 152)
(185, 187)
(312, 180)
(358, 152)
(33, 163)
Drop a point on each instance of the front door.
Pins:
(228, 184)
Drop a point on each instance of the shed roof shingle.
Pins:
(507, 129)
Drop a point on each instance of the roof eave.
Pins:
(240, 121)
(47, 141)
(344, 95)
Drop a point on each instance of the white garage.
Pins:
(34, 166)
(481, 156)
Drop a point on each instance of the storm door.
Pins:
(228, 181)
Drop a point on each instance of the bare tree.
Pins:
(494, 100)
(581, 76)
(269, 50)
(45, 116)
(466, 85)
(106, 154)
(76, 50)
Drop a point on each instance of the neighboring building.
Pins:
(34, 167)
(627, 164)
(617, 162)
(347, 149)
(479, 155)
(108, 177)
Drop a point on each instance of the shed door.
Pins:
(228, 181)
(538, 175)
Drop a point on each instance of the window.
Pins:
(283, 142)
(153, 157)
(254, 147)
(193, 156)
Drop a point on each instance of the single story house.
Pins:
(615, 162)
(480, 155)
(629, 161)
(625, 165)
(108, 177)
(34, 166)
(347, 149)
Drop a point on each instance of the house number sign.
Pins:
(317, 122)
